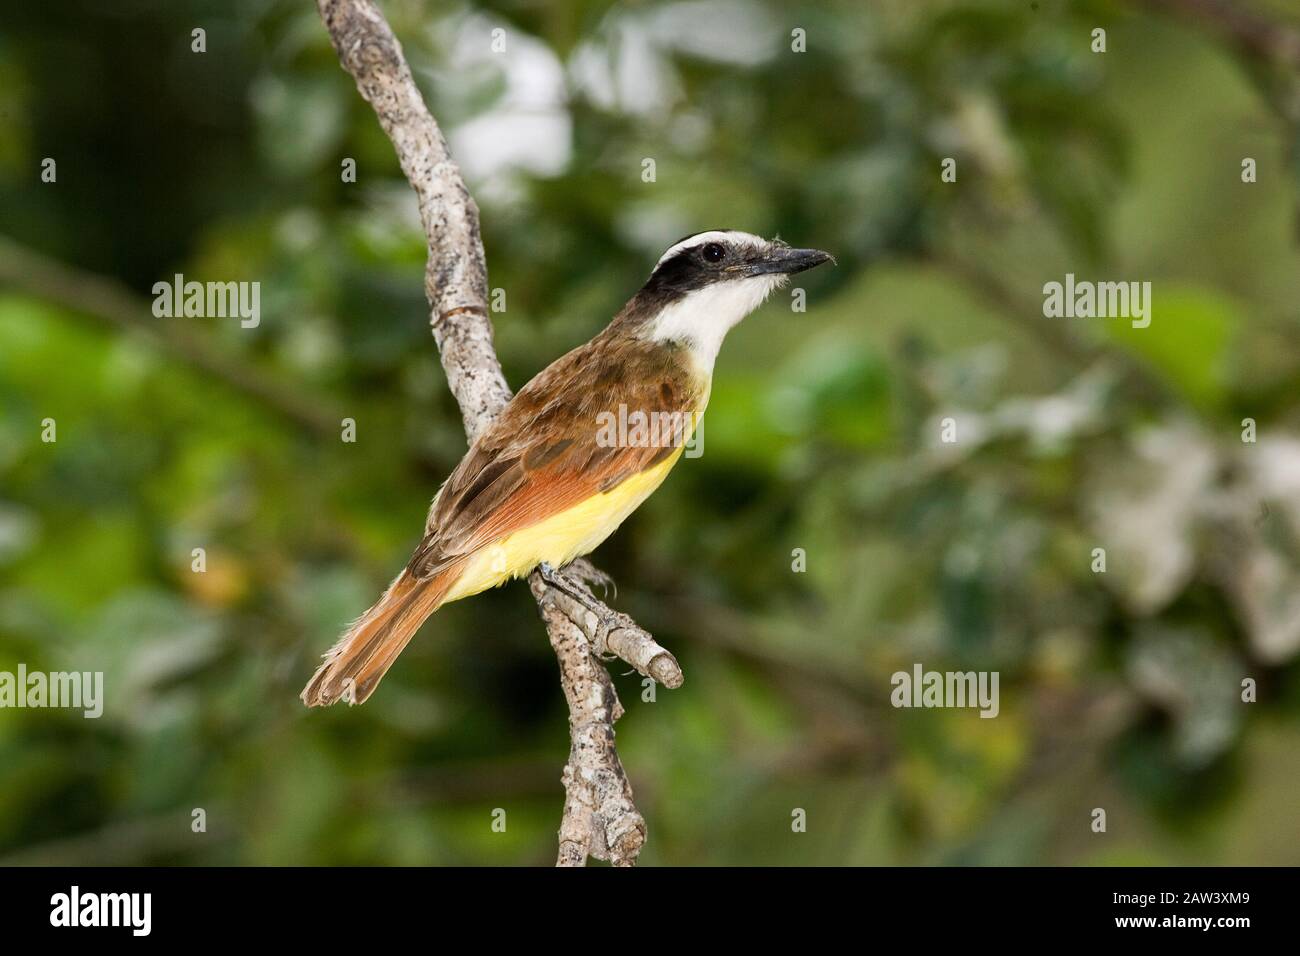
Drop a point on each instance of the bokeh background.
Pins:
(1119, 690)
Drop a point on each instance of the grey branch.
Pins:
(608, 631)
(600, 819)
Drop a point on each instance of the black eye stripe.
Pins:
(681, 273)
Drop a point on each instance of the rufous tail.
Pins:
(355, 665)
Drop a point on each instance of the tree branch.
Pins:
(600, 819)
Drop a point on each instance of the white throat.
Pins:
(702, 319)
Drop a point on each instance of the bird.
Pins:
(550, 478)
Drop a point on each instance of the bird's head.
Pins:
(706, 283)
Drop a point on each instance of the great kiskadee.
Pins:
(543, 484)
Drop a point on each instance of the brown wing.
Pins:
(543, 455)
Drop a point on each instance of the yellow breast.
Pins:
(562, 537)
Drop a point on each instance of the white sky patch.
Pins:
(726, 31)
(528, 127)
(625, 71)
(630, 68)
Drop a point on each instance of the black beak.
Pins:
(786, 260)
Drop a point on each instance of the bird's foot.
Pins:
(590, 575)
(577, 574)
(563, 582)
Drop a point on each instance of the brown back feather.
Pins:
(541, 455)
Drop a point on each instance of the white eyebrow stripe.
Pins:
(717, 235)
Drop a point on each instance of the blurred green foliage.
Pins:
(1118, 690)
